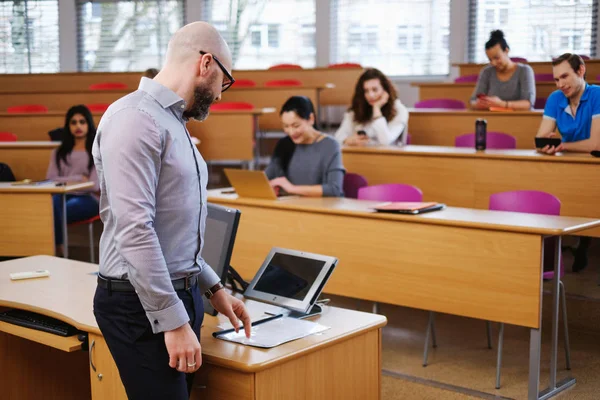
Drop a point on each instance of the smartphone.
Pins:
(361, 133)
(595, 153)
(481, 95)
(541, 142)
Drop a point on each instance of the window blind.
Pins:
(536, 30)
(126, 35)
(29, 36)
(399, 37)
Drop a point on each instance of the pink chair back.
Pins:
(345, 65)
(352, 183)
(544, 77)
(466, 79)
(408, 138)
(452, 104)
(494, 140)
(232, 105)
(27, 109)
(391, 192)
(108, 86)
(519, 59)
(244, 83)
(283, 83)
(532, 202)
(584, 57)
(540, 103)
(8, 137)
(285, 66)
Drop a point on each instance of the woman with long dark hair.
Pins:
(376, 114)
(305, 162)
(72, 162)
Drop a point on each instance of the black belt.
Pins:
(121, 285)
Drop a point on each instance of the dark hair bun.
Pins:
(497, 34)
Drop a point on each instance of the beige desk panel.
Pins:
(27, 163)
(539, 67)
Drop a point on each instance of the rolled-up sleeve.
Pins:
(130, 146)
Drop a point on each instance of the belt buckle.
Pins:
(188, 282)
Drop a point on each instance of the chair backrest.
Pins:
(391, 192)
(532, 202)
(544, 77)
(242, 83)
(540, 103)
(584, 57)
(232, 105)
(441, 103)
(494, 140)
(519, 59)
(107, 86)
(27, 109)
(285, 66)
(8, 137)
(408, 138)
(466, 79)
(97, 107)
(283, 83)
(344, 65)
(353, 182)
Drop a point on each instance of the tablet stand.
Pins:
(314, 310)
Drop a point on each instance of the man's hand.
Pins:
(550, 150)
(233, 309)
(184, 349)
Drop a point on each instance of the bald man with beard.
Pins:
(148, 303)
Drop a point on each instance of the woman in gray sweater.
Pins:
(72, 162)
(306, 162)
(503, 83)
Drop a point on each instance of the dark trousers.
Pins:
(141, 356)
(79, 208)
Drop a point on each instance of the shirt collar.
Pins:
(165, 96)
(564, 101)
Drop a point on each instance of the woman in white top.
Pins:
(376, 114)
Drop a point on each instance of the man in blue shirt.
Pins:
(573, 109)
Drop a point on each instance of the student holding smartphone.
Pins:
(376, 114)
(504, 83)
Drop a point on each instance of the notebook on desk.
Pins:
(401, 207)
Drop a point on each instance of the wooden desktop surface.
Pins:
(475, 263)
(439, 127)
(539, 67)
(464, 177)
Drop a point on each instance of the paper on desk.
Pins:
(276, 332)
(257, 311)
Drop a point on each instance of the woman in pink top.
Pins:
(72, 162)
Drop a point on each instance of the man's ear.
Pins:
(204, 64)
(581, 71)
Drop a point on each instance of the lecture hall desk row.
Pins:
(344, 80)
(463, 177)
(272, 97)
(539, 67)
(474, 263)
(342, 362)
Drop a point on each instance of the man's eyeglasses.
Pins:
(230, 81)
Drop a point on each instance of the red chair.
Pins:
(353, 183)
(108, 86)
(494, 140)
(540, 103)
(231, 105)
(27, 109)
(90, 224)
(544, 77)
(467, 79)
(8, 137)
(345, 65)
(97, 107)
(244, 83)
(283, 83)
(285, 66)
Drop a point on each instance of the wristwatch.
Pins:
(211, 292)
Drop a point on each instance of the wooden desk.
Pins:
(436, 127)
(274, 97)
(27, 160)
(464, 91)
(463, 177)
(27, 218)
(474, 263)
(343, 362)
(539, 67)
(35, 127)
(61, 101)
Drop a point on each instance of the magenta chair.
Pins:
(352, 183)
(584, 57)
(452, 104)
(494, 140)
(544, 77)
(391, 192)
(467, 79)
(540, 103)
(518, 59)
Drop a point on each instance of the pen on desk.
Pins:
(262, 321)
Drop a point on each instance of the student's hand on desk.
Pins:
(184, 349)
(494, 101)
(283, 183)
(356, 140)
(233, 308)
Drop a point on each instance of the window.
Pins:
(261, 33)
(535, 30)
(400, 37)
(29, 36)
(126, 35)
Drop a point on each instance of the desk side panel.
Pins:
(225, 137)
(476, 273)
(219, 383)
(347, 370)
